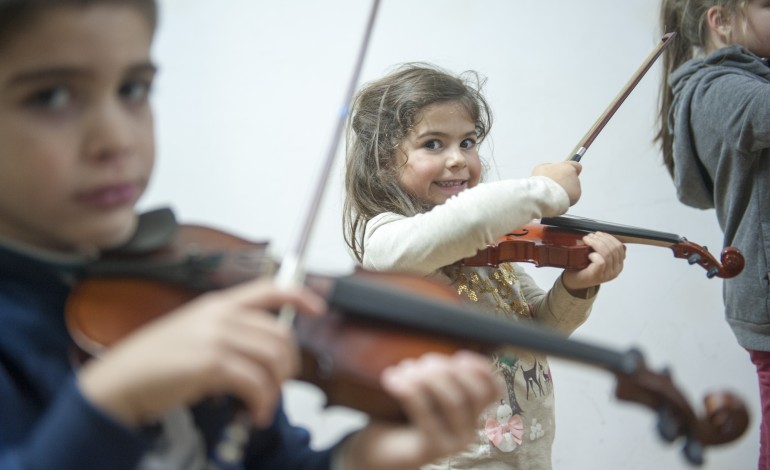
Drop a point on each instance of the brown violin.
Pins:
(558, 242)
(375, 320)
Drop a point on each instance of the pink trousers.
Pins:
(761, 360)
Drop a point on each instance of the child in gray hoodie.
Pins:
(715, 137)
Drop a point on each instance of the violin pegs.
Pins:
(695, 258)
(713, 271)
(693, 451)
(667, 425)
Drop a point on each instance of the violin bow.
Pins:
(229, 450)
(292, 270)
(588, 138)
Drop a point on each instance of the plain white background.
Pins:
(247, 99)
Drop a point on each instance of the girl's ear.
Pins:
(720, 27)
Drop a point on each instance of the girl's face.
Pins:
(754, 35)
(76, 128)
(439, 157)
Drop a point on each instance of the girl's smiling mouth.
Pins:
(451, 187)
(451, 183)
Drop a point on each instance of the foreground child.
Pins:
(76, 152)
(715, 138)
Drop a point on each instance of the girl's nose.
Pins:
(456, 158)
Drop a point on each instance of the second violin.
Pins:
(557, 242)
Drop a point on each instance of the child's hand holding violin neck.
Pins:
(606, 262)
(442, 397)
(224, 342)
(565, 174)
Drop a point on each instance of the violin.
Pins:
(374, 320)
(558, 242)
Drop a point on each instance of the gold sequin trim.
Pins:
(497, 287)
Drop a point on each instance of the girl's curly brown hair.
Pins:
(383, 113)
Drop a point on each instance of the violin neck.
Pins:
(624, 233)
(368, 300)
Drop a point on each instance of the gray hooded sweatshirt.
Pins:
(720, 120)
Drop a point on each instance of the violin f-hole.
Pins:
(522, 232)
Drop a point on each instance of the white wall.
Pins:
(246, 103)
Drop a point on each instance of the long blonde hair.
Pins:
(688, 18)
(383, 113)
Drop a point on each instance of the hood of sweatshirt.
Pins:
(692, 178)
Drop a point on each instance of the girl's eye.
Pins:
(52, 99)
(468, 143)
(432, 144)
(136, 91)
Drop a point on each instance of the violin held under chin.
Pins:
(375, 320)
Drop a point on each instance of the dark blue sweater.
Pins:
(45, 422)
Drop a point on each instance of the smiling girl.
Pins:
(415, 202)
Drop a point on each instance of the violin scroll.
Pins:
(725, 419)
(731, 257)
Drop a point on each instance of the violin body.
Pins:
(374, 320)
(541, 245)
(344, 356)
